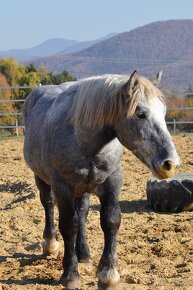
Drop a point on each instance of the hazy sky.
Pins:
(27, 23)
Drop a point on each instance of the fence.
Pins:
(174, 124)
(17, 125)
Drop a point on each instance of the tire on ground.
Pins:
(171, 195)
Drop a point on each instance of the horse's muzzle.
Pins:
(166, 169)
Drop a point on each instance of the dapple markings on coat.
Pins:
(74, 138)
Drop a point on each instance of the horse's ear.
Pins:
(129, 89)
(157, 80)
(132, 84)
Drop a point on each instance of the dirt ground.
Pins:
(155, 250)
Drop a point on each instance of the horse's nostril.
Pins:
(166, 170)
(167, 165)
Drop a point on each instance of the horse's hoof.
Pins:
(71, 285)
(108, 279)
(50, 247)
(171, 195)
(103, 286)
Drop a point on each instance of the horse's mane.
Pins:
(99, 100)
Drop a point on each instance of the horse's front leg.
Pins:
(110, 217)
(68, 226)
(82, 248)
(50, 244)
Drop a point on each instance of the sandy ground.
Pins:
(155, 250)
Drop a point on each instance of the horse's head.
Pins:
(142, 128)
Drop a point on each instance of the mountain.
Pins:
(47, 48)
(50, 47)
(163, 44)
(84, 44)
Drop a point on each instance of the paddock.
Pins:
(155, 250)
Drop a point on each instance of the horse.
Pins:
(74, 139)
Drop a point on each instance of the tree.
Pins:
(189, 97)
(44, 75)
(19, 75)
(174, 113)
(30, 68)
(189, 92)
(13, 73)
(189, 102)
(30, 79)
(62, 77)
(11, 70)
(5, 94)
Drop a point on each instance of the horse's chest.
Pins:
(84, 172)
(92, 172)
(88, 176)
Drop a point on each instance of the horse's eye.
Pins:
(141, 115)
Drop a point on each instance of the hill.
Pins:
(163, 44)
(47, 48)
(84, 44)
(51, 47)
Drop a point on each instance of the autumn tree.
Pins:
(189, 101)
(11, 70)
(13, 73)
(5, 94)
(173, 103)
(29, 76)
(44, 76)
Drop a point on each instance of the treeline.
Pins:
(177, 111)
(13, 74)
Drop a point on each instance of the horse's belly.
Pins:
(33, 160)
(39, 172)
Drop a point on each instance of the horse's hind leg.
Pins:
(50, 244)
(82, 249)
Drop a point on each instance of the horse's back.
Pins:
(35, 96)
(48, 92)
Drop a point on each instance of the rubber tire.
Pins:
(171, 195)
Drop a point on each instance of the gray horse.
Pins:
(74, 138)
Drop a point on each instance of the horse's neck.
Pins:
(93, 140)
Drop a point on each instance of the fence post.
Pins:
(16, 124)
(174, 126)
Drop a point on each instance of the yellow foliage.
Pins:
(5, 94)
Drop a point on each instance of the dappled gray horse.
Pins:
(74, 138)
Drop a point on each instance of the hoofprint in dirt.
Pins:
(155, 250)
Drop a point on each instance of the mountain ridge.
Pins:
(147, 49)
(50, 47)
(163, 44)
(46, 48)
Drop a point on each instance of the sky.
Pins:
(27, 23)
